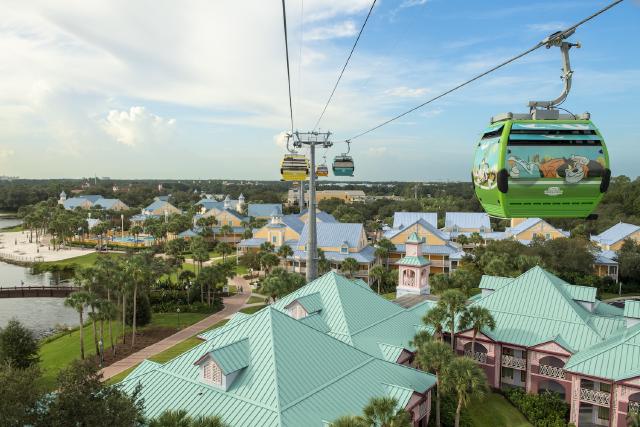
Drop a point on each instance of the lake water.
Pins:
(38, 314)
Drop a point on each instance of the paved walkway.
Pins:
(231, 306)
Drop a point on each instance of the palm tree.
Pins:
(453, 302)
(467, 381)
(225, 249)
(267, 247)
(108, 311)
(268, 260)
(323, 263)
(349, 421)
(349, 266)
(203, 421)
(384, 249)
(476, 318)
(435, 318)
(384, 412)
(77, 301)
(285, 251)
(378, 273)
(226, 229)
(136, 230)
(434, 357)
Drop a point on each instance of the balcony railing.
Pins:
(478, 356)
(552, 371)
(634, 407)
(513, 362)
(601, 398)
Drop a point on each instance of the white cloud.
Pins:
(547, 27)
(429, 113)
(138, 126)
(280, 139)
(339, 30)
(412, 3)
(407, 92)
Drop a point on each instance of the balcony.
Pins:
(552, 372)
(634, 407)
(601, 398)
(513, 362)
(478, 356)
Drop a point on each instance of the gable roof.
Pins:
(537, 306)
(632, 309)
(389, 234)
(474, 220)
(295, 376)
(403, 219)
(209, 204)
(90, 197)
(616, 358)
(157, 204)
(107, 203)
(353, 313)
(263, 209)
(74, 202)
(293, 222)
(334, 234)
(527, 224)
(614, 234)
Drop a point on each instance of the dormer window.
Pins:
(211, 373)
(297, 311)
(344, 249)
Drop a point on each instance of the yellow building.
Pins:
(613, 238)
(524, 230)
(347, 196)
(443, 255)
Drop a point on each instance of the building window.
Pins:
(230, 223)
(547, 236)
(344, 249)
(603, 413)
(211, 373)
(523, 376)
(297, 311)
(507, 373)
(274, 239)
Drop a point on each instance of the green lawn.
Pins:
(251, 310)
(14, 228)
(496, 411)
(81, 261)
(608, 295)
(61, 351)
(168, 354)
(390, 296)
(254, 300)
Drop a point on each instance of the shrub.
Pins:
(542, 410)
(143, 311)
(448, 412)
(18, 346)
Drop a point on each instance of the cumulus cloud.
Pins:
(281, 139)
(339, 30)
(138, 126)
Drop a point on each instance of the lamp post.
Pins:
(178, 311)
(122, 226)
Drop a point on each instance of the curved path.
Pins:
(231, 306)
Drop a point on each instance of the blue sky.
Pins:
(160, 90)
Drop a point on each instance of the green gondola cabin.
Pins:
(540, 168)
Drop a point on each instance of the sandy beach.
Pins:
(15, 246)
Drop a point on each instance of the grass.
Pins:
(81, 261)
(390, 296)
(168, 354)
(59, 352)
(18, 227)
(496, 411)
(251, 310)
(254, 300)
(609, 295)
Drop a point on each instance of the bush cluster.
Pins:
(546, 409)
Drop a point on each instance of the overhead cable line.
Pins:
(549, 40)
(345, 65)
(286, 47)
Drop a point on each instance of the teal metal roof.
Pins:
(617, 358)
(311, 302)
(401, 394)
(296, 376)
(582, 293)
(417, 261)
(390, 352)
(144, 367)
(232, 357)
(414, 238)
(493, 282)
(538, 305)
(632, 309)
